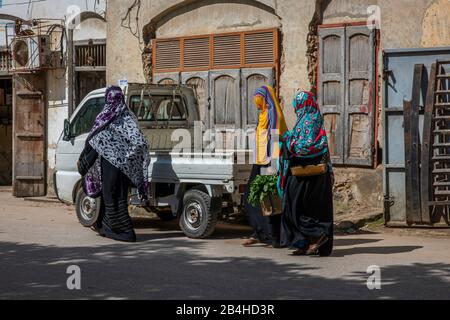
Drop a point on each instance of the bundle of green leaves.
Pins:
(261, 188)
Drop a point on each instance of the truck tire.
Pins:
(88, 209)
(199, 214)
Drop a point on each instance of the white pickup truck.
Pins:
(198, 188)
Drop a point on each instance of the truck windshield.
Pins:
(159, 108)
(84, 120)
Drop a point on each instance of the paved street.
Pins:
(39, 240)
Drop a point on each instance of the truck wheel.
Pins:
(88, 209)
(199, 214)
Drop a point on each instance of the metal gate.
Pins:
(399, 66)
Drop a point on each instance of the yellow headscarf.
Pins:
(271, 121)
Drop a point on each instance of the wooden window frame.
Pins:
(377, 83)
(84, 43)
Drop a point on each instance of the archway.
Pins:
(149, 30)
(88, 50)
(83, 16)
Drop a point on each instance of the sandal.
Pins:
(314, 248)
(98, 231)
(250, 242)
(299, 252)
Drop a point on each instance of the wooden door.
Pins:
(167, 78)
(29, 145)
(332, 88)
(88, 81)
(199, 81)
(225, 106)
(360, 96)
(347, 93)
(252, 79)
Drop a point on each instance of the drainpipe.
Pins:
(70, 70)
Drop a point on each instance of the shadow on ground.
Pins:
(168, 268)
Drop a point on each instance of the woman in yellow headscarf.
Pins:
(271, 123)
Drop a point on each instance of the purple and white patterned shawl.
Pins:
(117, 138)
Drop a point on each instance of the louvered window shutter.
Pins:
(259, 48)
(168, 54)
(227, 50)
(196, 53)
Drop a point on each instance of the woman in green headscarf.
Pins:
(306, 182)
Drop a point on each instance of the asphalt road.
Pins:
(39, 241)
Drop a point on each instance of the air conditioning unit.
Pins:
(30, 53)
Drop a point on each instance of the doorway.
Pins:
(6, 140)
(88, 81)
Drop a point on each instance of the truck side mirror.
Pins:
(67, 133)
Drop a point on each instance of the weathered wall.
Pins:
(339, 11)
(210, 19)
(436, 24)
(90, 29)
(404, 23)
(56, 113)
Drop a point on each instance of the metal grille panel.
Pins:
(91, 55)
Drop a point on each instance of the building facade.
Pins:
(34, 104)
(227, 48)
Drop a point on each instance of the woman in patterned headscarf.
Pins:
(115, 157)
(271, 122)
(306, 182)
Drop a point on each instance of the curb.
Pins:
(357, 224)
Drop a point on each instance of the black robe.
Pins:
(114, 221)
(308, 209)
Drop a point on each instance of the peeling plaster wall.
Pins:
(338, 11)
(436, 24)
(90, 29)
(211, 19)
(401, 25)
